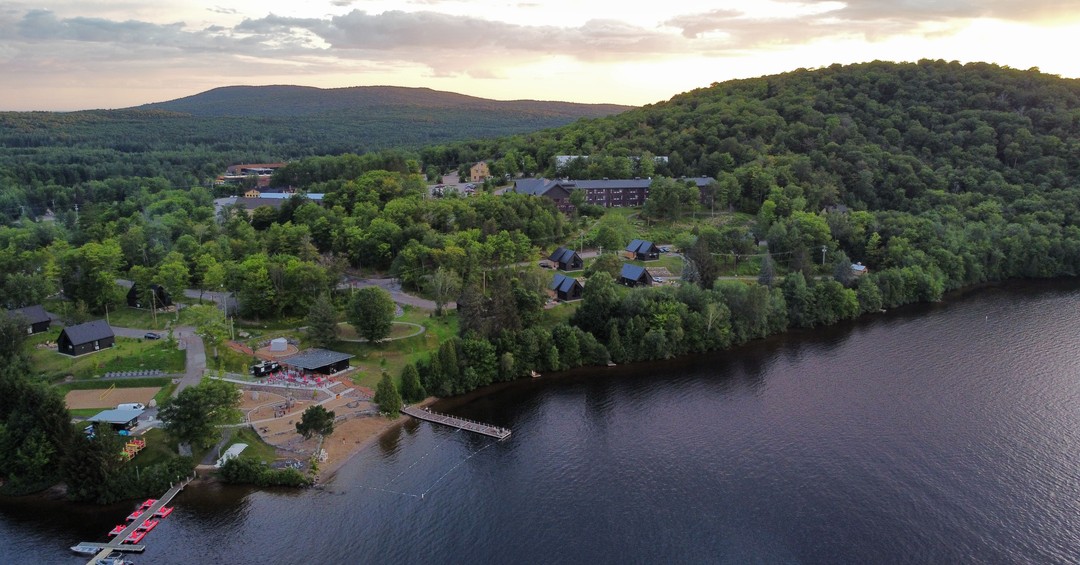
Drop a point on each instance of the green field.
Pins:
(126, 355)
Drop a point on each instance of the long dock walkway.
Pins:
(454, 421)
(117, 543)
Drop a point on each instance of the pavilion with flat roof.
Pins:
(321, 361)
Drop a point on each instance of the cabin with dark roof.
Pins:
(635, 275)
(566, 288)
(85, 338)
(567, 259)
(321, 361)
(642, 250)
(160, 298)
(35, 318)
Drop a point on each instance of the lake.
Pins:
(945, 433)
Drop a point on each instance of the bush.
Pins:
(239, 470)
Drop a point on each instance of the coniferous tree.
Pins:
(322, 325)
(411, 389)
(387, 396)
(768, 271)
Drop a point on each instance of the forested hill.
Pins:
(191, 140)
(292, 101)
(873, 136)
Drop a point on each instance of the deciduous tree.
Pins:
(371, 312)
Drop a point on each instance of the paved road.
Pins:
(394, 288)
(187, 340)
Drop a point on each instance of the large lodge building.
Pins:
(616, 193)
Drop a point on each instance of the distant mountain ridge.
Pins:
(295, 101)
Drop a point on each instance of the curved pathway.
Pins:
(420, 330)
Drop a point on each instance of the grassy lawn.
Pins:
(159, 448)
(126, 355)
(256, 449)
(84, 412)
(560, 314)
(394, 355)
(397, 331)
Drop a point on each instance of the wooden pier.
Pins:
(117, 543)
(454, 421)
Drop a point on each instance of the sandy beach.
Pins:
(274, 412)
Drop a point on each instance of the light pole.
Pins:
(823, 248)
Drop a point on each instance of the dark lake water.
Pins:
(938, 434)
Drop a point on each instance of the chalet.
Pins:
(567, 259)
(479, 172)
(321, 361)
(566, 288)
(35, 318)
(642, 250)
(547, 189)
(160, 298)
(858, 269)
(85, 338)
(635, 275)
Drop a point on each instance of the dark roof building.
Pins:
(160, 298)
(643, 250)
(319, 361)
(567, 259)
(35, 317)
(566, 288)
(635, 275)
(85, 338)
(118, 418)
(609, 193)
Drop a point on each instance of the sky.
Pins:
(62, 55)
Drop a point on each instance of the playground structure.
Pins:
(132, 448)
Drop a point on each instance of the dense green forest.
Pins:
(44, 156)
(936, 176)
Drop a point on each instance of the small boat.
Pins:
(134, 515)
(116, 531)
(163, 512)
(85, 549)
(147, 525)
(149, 502)
(135, 537)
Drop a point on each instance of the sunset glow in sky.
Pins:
(83, 54)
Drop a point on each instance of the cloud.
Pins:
(221, 10)
(923, 10)
(870, 19)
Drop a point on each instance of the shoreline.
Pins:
(329, 472)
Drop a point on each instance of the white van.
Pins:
(131, 406)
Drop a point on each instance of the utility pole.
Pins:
(823, 248)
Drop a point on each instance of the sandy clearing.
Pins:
(98, 398)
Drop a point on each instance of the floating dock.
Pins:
(145, 512)
(460, 423)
